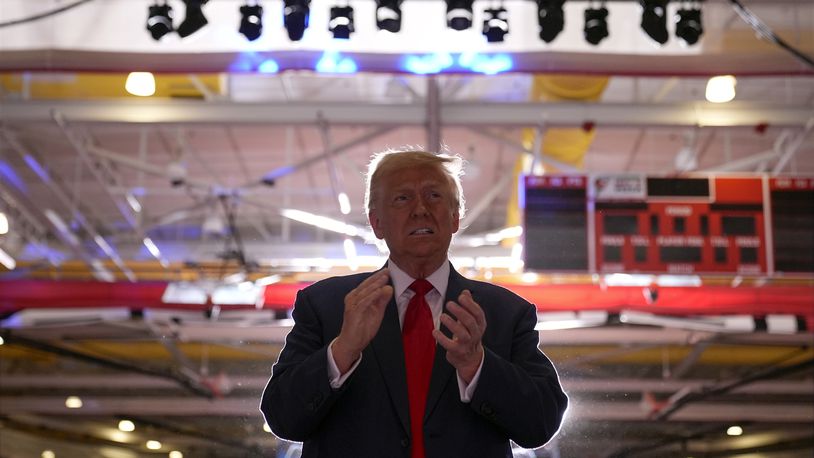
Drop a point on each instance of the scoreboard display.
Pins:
(751, 225)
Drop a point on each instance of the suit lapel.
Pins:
(442, 370)
(387, 348)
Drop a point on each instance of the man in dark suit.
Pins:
(413, 360)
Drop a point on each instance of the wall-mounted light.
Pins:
(251, 21)
(596, 25)
(194, 19)
(159, 20)
(688, 25)
(295, 18)
(495, 24)
(550, 18)
(388, 15)
(341, 22)
(459, 14)
(654, 19)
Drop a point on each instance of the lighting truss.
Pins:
(194, 19)
(388, 15)
(688, 25)
(295, 18)
(550, 18)
(495, 24)
(251, 22)
(459, 14)
(159, 20)
(654, 19)
(341, 23)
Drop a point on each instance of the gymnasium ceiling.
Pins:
(75, 145)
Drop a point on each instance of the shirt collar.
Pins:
(401, 280)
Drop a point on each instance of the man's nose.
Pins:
(420, 208)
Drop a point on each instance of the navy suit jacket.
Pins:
(518, 396)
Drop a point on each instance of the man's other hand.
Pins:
(467, 323)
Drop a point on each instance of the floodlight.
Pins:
(194, 19)
(688, 25)
(159, 20)
(341, 23)
(251, 22)
(295, 18)
(459, 14)
(654, 19)
(551, 18)
(596, 25)
(388, 15)
(495, 24)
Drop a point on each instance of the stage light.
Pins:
(459, 14)
(551, 18)
(721, 89)
(295, 18)
(341, 23)
(688, 25)
(495, 24)
(159, 20)
(654, 19)
(141, 84)
(194, 19)
(388, 15)
(251, 23)
(596, 25)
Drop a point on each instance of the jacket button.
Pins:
(487, 410)
(404, 442)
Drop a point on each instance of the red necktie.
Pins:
(419, 353)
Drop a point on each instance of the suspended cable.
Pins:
(44, 15)
(766, 33)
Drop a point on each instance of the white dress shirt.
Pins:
(435, 299)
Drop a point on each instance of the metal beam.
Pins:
(692, 114)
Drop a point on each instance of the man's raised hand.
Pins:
(364, 310)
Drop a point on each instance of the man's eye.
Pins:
(400, 198)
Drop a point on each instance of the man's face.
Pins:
(416, 213)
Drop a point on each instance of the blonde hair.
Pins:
(386, 162)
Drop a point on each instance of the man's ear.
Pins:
(375, 224)
(456, 221)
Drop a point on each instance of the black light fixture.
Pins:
(654, 19)
(688, 25)
(495, 24)
(341, 23)
(295, 17)
(551, 18)
(194, 19)
(388, 15)
(596, 25)
(459, 14)
(251, 22)
(159, 20)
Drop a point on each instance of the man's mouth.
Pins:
(422, 231)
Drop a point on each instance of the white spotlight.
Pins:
(141, 84)
(73, 402)
(721, 89)
(127, 426)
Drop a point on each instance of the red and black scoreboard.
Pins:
(718, 224)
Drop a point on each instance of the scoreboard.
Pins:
(718, 224)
